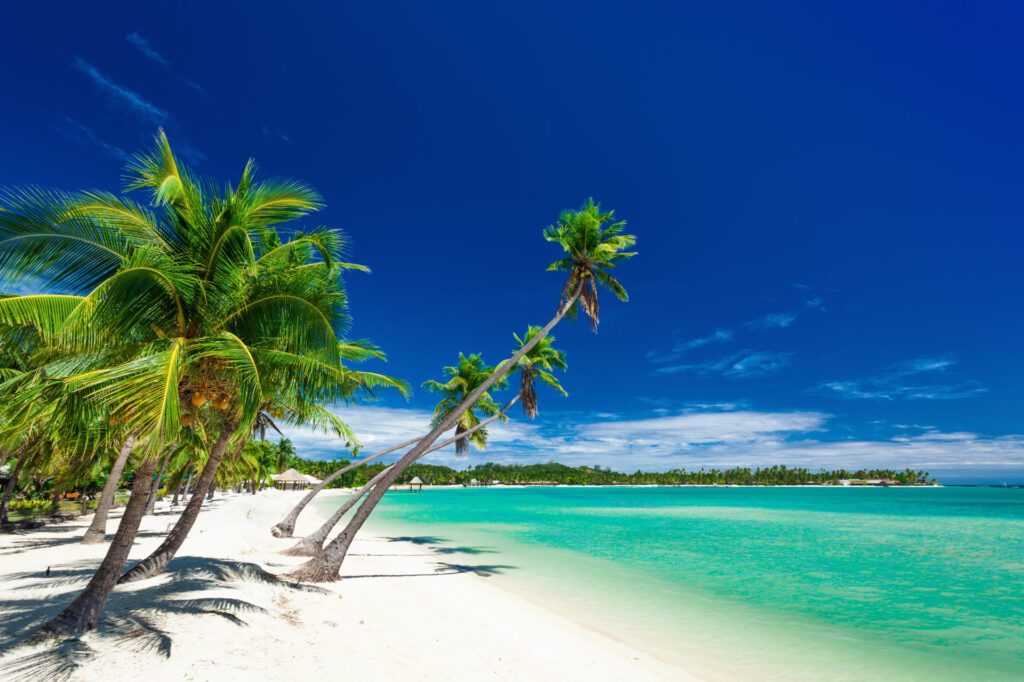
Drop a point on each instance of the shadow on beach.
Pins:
(443, 568)
(131, 617)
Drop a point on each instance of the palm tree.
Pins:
(312, 544)
(593, 249)
(97, 531)
(183, 315)
(538, 363)
(463, 379)
(355, 351)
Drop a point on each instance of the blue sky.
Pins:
(828, 201)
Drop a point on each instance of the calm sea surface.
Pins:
(756, 583)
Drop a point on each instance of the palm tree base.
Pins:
(94, 537)
(316, 570)
(305, 547)
(283, 530)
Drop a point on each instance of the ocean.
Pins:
(754, 583)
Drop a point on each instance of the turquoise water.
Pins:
(756, 583)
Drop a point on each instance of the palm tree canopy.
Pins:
(538, 363)
(195, 309)
(594, 244)
(463, 379)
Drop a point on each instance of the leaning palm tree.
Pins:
(592, 249)
(538, 363)
(355, 351)
(180, 314)
(463, 379)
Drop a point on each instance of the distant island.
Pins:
(553, 473)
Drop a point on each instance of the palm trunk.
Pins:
(286, 527)
(98, 528)
(55, 503)
(312, 545)
(12, 483)
(156, 562)
(177, 484)
(83, 613)
(188, 483)
(326, 568)
(151, 501)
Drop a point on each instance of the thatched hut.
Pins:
(290, 479)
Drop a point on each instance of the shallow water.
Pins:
(756, 583)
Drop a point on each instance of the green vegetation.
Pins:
(553, 473)
(167, 332)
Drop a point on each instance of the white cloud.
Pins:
(693, 439)
(147, 49)
(143, 46)
(785, 319)
(909, 380)
(122, 95)
(742, 365)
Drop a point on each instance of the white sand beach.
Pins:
(403, 612)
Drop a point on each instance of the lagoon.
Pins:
(756, 583)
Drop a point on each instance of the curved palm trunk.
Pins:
(156, 562)
(155, 489)
(12, 483)
(286, 527)
(98, 528)
(83, 613)
(188, 482)
(312, 544)
(327, 567)
(177, 480)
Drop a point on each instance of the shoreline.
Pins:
(403, 611)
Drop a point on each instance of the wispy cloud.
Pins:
(79, 132)
(743, 365)
(143, 46)
(273, 133)
(122, 96)
(681, 348)
(785, 319)
(146, 48)
(689, 439)
(916, 379)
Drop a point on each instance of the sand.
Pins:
(403, 611)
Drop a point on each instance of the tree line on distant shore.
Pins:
(561, 474)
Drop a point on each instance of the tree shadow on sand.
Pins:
(433, 542)
(443, 568)
(132, 618)
(42, 542)
(418, 539)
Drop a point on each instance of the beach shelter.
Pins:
(416, 483)
(313, 480)
(290, 479)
